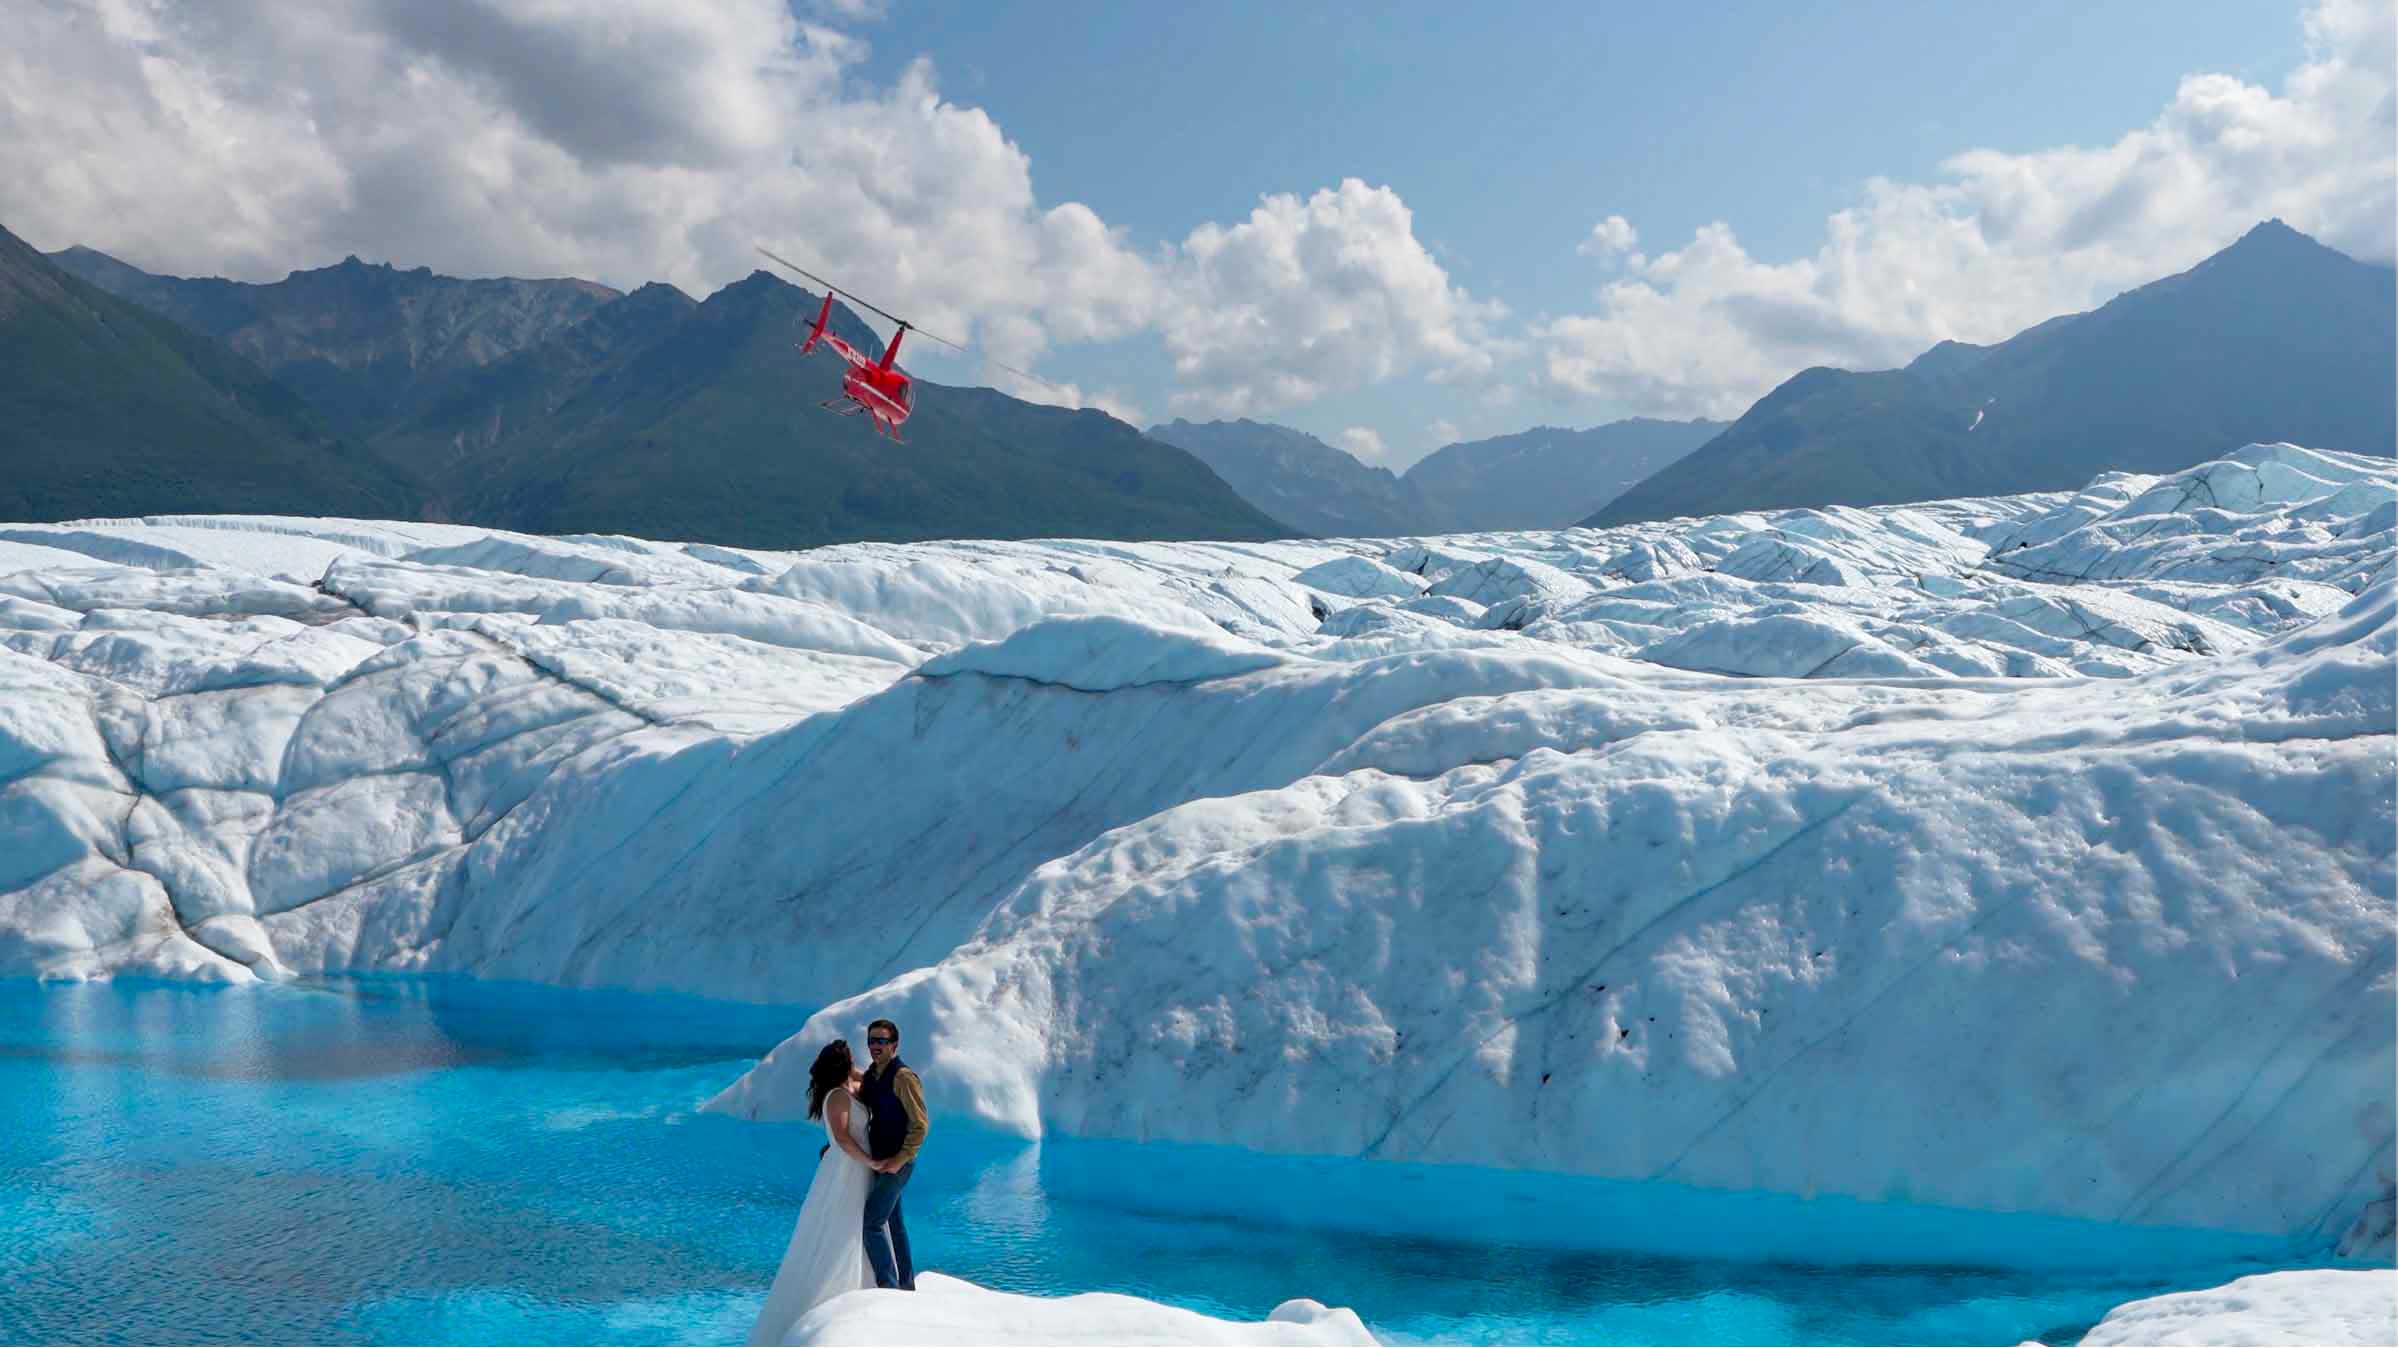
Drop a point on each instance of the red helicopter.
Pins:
(880, 389)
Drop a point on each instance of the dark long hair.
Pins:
(829, 1074)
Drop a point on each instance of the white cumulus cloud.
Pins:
(2004, 240)
(638, 140)
(1306, 296)
(1611, 237)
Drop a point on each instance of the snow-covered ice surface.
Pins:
(2065, 820)
(2325, 1307)
(946, 1310)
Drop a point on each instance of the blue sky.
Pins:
(1510, 129)
(1392, 228)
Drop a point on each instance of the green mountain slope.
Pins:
(701, 422)
(366, 344)
(453, 443)
(560, 406)
(107, 409)
(2274, 338)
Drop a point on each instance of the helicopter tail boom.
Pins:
(816, 330)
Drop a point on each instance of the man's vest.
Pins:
(887, 1125)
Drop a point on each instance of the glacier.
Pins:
(2319, 1307)
(945, 1310)
(2028, 854)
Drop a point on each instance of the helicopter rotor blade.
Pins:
(960, 347)
(834, 289)
(969, 352)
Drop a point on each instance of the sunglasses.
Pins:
(871, 1040)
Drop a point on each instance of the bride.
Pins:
(827, 1253)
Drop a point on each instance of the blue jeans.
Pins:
(887, 1250)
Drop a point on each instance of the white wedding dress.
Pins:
(827, 1253)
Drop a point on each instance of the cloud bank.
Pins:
(641, 140)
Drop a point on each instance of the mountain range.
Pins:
(107, 409)
(563, 406)
(553, 406)
(1543, 478)
(2274, 338)
(1549, 477)
(667, 418)
(1312, 486)
(364, 345)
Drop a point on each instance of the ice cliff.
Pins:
(2065, 821)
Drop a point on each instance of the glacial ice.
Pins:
(1360, 578)
(945, 1310)
(2327, 1308)
(1095, 654)
(2068, 814)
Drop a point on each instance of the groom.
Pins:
(894, 1130)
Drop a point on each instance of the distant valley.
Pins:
(1543, 478)
(2275, 338)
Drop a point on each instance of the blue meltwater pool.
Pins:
(437, 1161)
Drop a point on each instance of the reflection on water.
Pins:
(445, 1162)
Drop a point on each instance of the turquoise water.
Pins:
(437, 1161)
